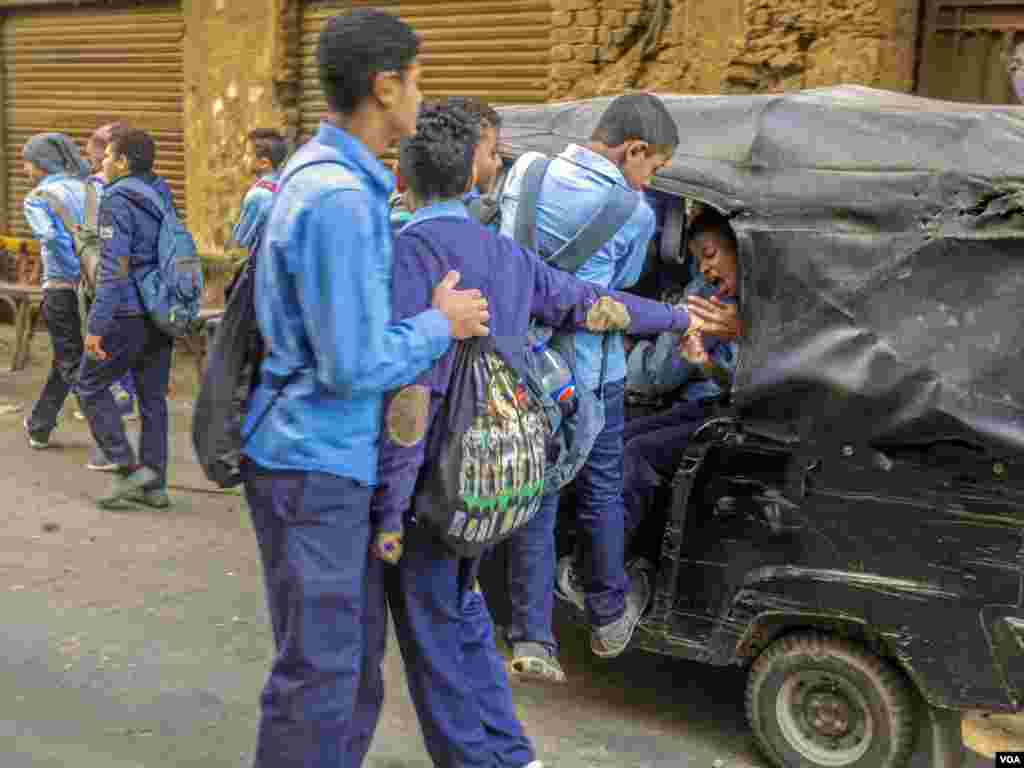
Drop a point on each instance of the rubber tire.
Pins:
(885, 691)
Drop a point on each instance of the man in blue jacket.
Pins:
(323, 302)
(120, 336)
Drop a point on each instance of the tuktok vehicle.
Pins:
(850, 526)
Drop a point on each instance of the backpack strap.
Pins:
(617, 209)
(59, 210)
(529, 195)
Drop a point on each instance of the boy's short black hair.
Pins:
(476, 108)
(437, 162)
(712, 221)
(268, 144)
(638, 117)
(354, 47)
(137, 145)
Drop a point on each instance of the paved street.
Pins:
(139, 639)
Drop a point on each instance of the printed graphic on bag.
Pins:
(502, 475)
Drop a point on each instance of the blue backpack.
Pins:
(171, 289)
(574, 434)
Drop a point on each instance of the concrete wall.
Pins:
(240, 74)
(731, 46)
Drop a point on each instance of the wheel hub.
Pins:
(825, 718)
(829, 714)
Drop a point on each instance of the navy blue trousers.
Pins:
(325, 594)
(456, 678)
(138, 347)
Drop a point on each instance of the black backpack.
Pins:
(489, 440)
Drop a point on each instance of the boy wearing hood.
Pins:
(53, 162)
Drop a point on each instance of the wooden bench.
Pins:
(25, 302)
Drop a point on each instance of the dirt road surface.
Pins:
(139, 639)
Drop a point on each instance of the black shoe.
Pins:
(37, 439)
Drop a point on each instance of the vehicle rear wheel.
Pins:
(815, 701)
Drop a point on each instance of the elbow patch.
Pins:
(406, 419)
(607, 315)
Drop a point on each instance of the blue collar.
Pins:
(357, 153)
(589, 159)
(51, 177)
(445, 209)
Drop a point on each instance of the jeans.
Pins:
(456, 678)
(654, 449)
(137, 346)
(325, 594)
(600, 518)
(60, 311)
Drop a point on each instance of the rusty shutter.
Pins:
(965, 46)
(497, 50)
(74, 69)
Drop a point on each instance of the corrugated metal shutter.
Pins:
(498, 50)
(74, 69)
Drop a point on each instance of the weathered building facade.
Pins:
(201, 73)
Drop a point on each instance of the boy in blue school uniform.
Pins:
(265, 153)
(635, 137)
(120, 337)
(124, 390)
(323, 305)
(456, 677)
(53, 162)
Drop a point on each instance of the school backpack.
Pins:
(85, 236)
(232, 370)
(489, 437)
(171, 289)
(574, 432)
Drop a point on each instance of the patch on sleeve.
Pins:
(608, 315)
(107, 233)
(406, 419)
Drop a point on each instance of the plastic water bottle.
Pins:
(555, 376)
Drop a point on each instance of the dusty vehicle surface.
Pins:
(850, 525)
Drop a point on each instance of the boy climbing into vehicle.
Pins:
(456, 678)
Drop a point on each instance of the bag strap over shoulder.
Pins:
(92, 206)
(57, 206)
(617, 209)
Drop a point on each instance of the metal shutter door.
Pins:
(72, 70)
(497, 51)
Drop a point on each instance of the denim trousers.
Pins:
(600, 520)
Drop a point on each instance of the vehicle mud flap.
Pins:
(948, 749)
(672, 541)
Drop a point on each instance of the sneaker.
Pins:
(533, 661)
(38, 440)
(535, 764)
(611, 640)
(156, 498)
(98, 461)
(129, 485)
(79, 415)
(568, 584)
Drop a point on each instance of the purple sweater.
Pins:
(517, 285)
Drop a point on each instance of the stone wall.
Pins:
(240, 73)
(730, 46)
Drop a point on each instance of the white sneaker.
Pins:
(535, 764)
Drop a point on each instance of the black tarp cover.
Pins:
(882, 249)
